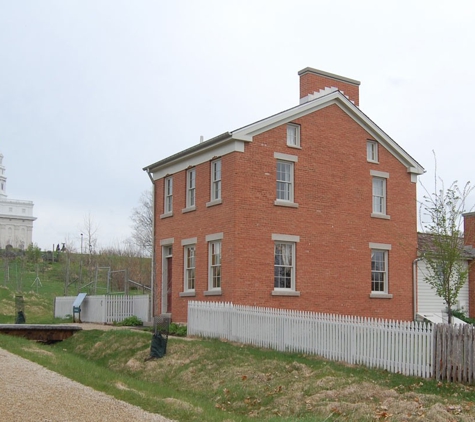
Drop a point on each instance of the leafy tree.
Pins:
(445, 255)
(142, 219)
(33, 253)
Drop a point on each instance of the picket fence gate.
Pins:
(455, 353)
(396, 346)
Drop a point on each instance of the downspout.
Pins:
(152, 276)
(414, 285)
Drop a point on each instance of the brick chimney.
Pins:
(469, 240)
(314, 80)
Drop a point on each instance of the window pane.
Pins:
(378, 187)
(283, 171)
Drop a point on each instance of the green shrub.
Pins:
(177, 330)
(461, 315)
(131, 321)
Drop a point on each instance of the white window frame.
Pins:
(379, 197)
(191, 188)
(372, 153)
(189, 261)
(282, 267)
(168, 195)
(382, 249)
(214, 241)
(293, 135)
(216, 180)
(214, 268)
(289, 242)
(285, 183)
(285, 159)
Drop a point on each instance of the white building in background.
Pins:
(16, 217)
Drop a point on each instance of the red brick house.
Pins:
(313, 208)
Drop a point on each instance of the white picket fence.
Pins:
(105, 309)
(396, 346)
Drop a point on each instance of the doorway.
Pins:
(167, 285)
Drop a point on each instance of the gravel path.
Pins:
(30, 392)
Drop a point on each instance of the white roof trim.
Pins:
(197, 157)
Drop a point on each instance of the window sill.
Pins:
(382, 216)
(166, 215)
(188, 209)
(285, 293)
(294, 146)
(289, 204)
(376, 295)
(214, 202)
(372, 161)
(187, 294)
(216, 292)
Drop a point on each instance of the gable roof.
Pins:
(235, 140)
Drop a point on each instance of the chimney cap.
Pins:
(328, 75)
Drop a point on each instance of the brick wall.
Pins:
(333, 189)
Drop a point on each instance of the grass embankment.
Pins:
(210, 380)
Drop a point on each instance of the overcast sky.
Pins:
(92, 91)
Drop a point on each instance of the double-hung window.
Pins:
(284, 264)
(379, 270)
(214, 263)
(168, 209)
(189, 255)
(189, 266)
(285, 166)
(190, 188)
(285, 186)
(379, 194)
(293, 135)
(216, 180)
